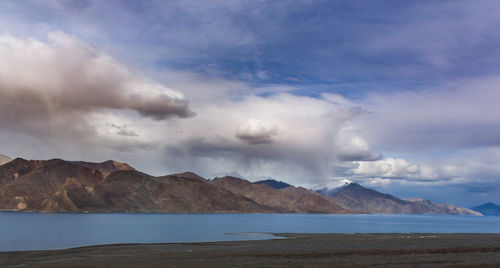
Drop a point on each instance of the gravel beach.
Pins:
(298, 250)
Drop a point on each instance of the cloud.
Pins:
(444, 134)
(397, 168)
(460, 114)
(65, 75)
(256, 131)
(352, 147)
(368, 50)
(60, 89)
(295, 137)
(123, 130)
(437, 37)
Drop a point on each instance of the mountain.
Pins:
(64, 186)
(76, 186)
(173, 193)
(282, 201)
(358, 198)
(106, 167)
(26, 185)
(274, 184)
(488, 209)
(4, 159)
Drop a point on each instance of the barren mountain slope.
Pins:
(280, 201)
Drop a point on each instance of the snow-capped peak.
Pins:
(332, 185)
(347, 182)
(229, 173)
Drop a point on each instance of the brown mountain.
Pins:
(450, 209)
(61, 186)
(287, 200)
(106, 167)
(25, 185)
(4, 159)
(356, 197)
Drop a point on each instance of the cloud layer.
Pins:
(459, 114)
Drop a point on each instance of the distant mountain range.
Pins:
(285, 200)
(488, 209)
(75, 186)
(358, 198)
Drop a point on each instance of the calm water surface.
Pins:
(30, 231)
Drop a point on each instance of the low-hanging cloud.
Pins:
(256, 131)
(391, 168)
(40, 80)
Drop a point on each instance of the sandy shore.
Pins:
(299, 250)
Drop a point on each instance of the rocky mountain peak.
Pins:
(274, 183)
(188, 174)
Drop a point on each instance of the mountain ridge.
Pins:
(353, 196)
(285, 202)
(489, 209)
(58, 185)
(65, 186)
(274, 183)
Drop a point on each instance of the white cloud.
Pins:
(391, 168)
(352, 147)
(256, 131)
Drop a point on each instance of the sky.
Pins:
(399, 96)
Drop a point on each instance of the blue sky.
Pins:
(398, 95)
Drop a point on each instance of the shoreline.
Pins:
(298, 249)
(229, 212)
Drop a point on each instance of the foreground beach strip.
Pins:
(298, 250)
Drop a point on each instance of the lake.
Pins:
(33, 231)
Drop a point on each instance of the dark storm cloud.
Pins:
(359, 156)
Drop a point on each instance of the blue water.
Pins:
(30, 231)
